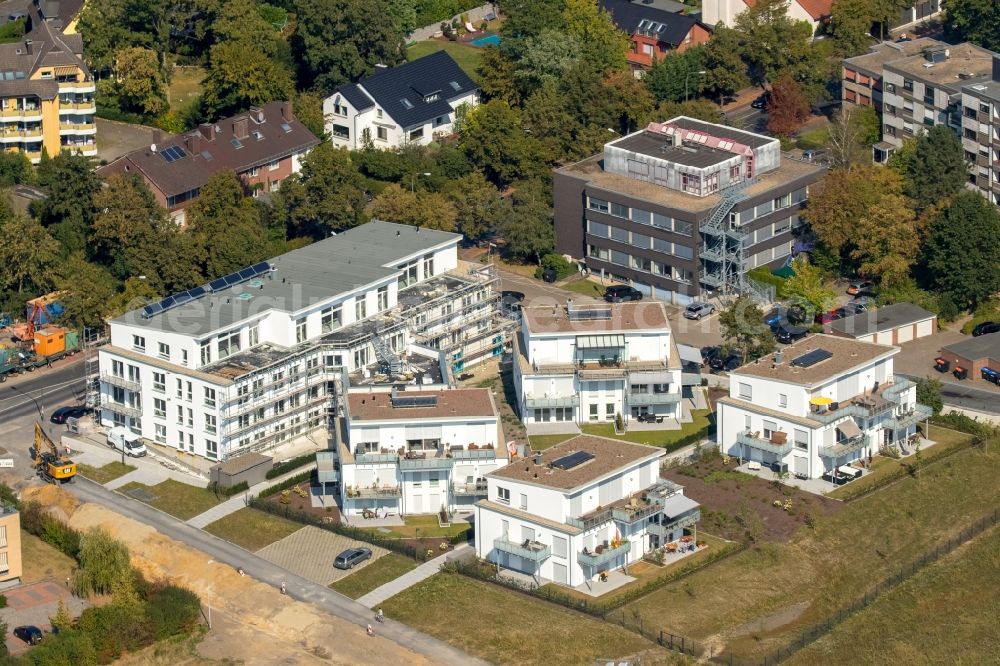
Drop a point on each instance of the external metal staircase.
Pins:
(385, 355)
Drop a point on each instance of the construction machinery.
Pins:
(49, 464)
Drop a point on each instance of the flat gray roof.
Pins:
(653, 145)
(881, 319)
(723, 132)
(964, 60)
(986, 89)
(317, 272)
(985, 346)
(885, 52)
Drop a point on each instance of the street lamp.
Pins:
(699, 73)
(413, 178)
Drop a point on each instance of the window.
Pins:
(209, 397)
(211, 449)
(300, 330)
(640, 216)
(801, 439)
(118, 395)
(161, 433)
(770, 427)
(164, 351)
(378, 113)
(434, 479)
(619, 234)
(890, 109)
(640, 241)
(229, 344)
(417, 134)
(159, 382)
(330, 319)
(253, 336)
(180, 415)
(619, 210)
(272, 166)
(597, 204)
(745, 391)
(184, 357)
(503, 495)
(383, 298)
(159, 408)
(969, 133)
(593, 412)
(783, 201)
(138, 343)
(597, 229)
(206, 353)
(340, 110)
(254, 171)
(428, 263)
(360, 310)
(597, 252)
(524, 502)
(418, 480)
(641, 264)
(609, 410)
(382, 134)
(117, 368)
(339, 131)
(908, 85)
(782, 400)
(190, 393)
(180, 389)
(210, 424)
(190, 418)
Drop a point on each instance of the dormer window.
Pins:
(433, 97)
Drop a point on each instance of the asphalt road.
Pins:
(754, 120)
(49, 388)
(266, 572)
(967, 397)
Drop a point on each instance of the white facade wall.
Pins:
(726, 11)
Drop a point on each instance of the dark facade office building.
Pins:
(683, 207)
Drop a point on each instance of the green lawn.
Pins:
(185, 87)
(381, 571)
(40, 561)
(178, 499)
(948, 613)
(507, 627)
(586, 288)
(946, 442)
(427, 526)
(540, 442)
(757, 600)
(106, 473)
(700, 420)
(252, 529)
(467, 57)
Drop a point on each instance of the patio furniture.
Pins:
(778, 437)
(671, 547)
(753, 466)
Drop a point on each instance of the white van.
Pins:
(123, 439)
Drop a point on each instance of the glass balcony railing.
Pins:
(478, 489)
(666, 529)
(606, 556)
(414, 464)
(474, 454)
(527, 550)
(761, 444)
(653, 398)
(373, 458)
(845, 447)
(916, 415)
(374, 492)
(555, 401)
(591, 521)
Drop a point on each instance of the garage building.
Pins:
(889, 325)
(971, 355)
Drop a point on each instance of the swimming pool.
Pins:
(489, 40)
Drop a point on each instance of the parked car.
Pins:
(761, 101)
(852, 308)
(784, 314)
(787, 333)
(352, 557)
(549, 275)
(986, 327)
(867, 301)
(29, 633)
(832, 315)
(697, 310)
(727, 363)
(861, 288)
(510, 303)
(63, 414)
(123, 439)
(619, 293)
(708, 353)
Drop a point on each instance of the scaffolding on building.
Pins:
(724, 257)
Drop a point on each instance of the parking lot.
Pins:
(35, 604)
(310, 552)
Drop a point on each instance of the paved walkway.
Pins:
(234, 504)
(411, 578)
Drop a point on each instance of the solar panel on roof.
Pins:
(414, 400)
(173, 153)
(232, 278)
(261, 268)
(589, 314)
(150, 310)
(572, 460)
(197, 292)
(216, 285)
(181, 298)
(247, 273)
(240, 276)
(811, 358)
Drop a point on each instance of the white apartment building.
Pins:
(416, 451)
(254, 358)
(577, 509)
(411, 104)
(586, 363)
(820, 403)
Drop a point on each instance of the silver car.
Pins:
(697, 310)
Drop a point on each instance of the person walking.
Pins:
(379, 616)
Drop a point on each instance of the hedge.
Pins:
(962, 423)
(299, 516)
(288, 466)
(287, 483)
(228, 491)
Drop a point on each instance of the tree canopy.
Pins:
(976, 21)
(743, 328)
(935, 167)
(961, 250)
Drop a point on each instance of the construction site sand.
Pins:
(260, 625)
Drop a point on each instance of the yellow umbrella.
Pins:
(820, 401)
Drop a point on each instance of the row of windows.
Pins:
(640, 264)
(641, 216)
(639, 240)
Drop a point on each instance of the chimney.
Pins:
(193, 142)
(27, 46)
(240, 128)
(256, 114)
(286, 112)
(207, 130)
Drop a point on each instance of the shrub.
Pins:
(294, 463)
(104, 564)
(114, 629)
(67, 647)
(962, 423)
(52, 531)
(172, 610)
(287, 483)
(558, 263)
(228, 491)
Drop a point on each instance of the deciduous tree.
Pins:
(139, 83)
(675, 77)
(240, 75)
(495, 141)
(772, 43)
(27, 252)
(104, 563)
(528, 230)
(701, 109)
(226, 224)
(961, 250)
(976, 21)
(603, 44)
(743, 328)
(430, 210)
(935, 170)
(725, 70)
(852, 133)
(787, 109)
(886, 239)
(807, 287)
(479, 208)
(91, 289)
(850, 26)
(327, 195)
(69, 209)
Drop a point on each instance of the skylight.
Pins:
(455, 86)
(286, 127)
(207, 156)
(237, 144)
(406, 103)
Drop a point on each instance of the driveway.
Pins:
(35, 604)
(916, 360)
(114, 139)
(309, 553)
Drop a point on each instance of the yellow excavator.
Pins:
(49, 465)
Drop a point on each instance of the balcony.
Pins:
(77, 107)
(374, 492)
(844, 447)
(121, 382)
(19, 133)
(122, 408)
(414, 464)
(666, 529)
(375, 458)
(633, 513)
(532, 551)
(895, 390)
(591, 520)
(21, 113)
(477, 489)
(532, 402)
(639, 399)
(473, 454)
(912, 417)
(606, 556)
(76, 128)
(77, 86)
(754, 441)
(327, 467)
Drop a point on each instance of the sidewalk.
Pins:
(234, 504)
(410, 578)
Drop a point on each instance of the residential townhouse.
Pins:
(591, 363)
(817, 404)
(683, 208)
(263, 146)
(654, 32)
(981, 132)
(581, 508)
(813, 12)
(416, 451)
(257, 357)
(413, 103)
(46, 89)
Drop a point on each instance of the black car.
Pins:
(786, 333)
(761, 101)
(726, 363)
(63, 414)
(620, 293)
(709, 353)
(352, 557)
(986, 327)
(29, 633)
(549, 275)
